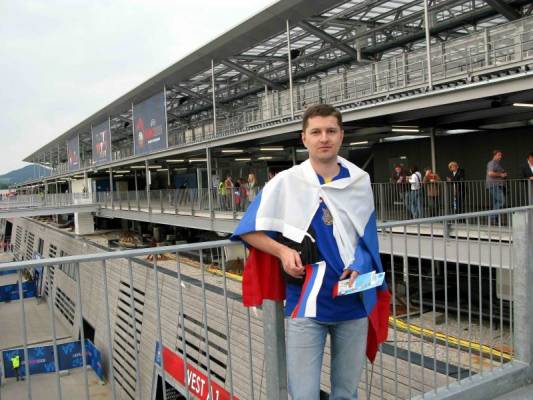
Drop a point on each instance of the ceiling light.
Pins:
(175, 161)
(155, 166)
(118, 176)
(162, 169)
(458, 131)
(243, 159)
(403, 137)
(407, 130)
(138, 167)
(232, 151)
(523, 104)
(358, 143)
(271, 148)
(180, 169)
(125, 171)
(301, 150)
(197, 160)
(264, 158)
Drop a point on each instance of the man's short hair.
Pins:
(321, 110)
(496, 151)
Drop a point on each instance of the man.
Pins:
(495, 182)
(321, 210)
(527, 173)
(527, 169)
(457, 176)
(15, 363)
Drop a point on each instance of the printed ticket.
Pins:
(362, 282)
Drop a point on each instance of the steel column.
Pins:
(428, 45)
(289, 60)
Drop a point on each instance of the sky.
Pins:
(62, 60)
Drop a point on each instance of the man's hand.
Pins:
(292, 264)
(348, 272)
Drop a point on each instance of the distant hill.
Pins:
(22, 174)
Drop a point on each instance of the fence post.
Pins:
(381, 203)
(522, 231)
(274, 343)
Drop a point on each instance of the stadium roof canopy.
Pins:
(326, 35)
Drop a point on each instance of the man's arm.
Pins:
(290, 259)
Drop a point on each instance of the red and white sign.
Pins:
(197, 382)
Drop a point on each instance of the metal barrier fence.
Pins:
(46, 200)
(460, 315)
(393, 202)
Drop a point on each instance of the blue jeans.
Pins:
(306, 339)
(497, 196)
(416, 203)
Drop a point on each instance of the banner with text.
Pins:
(101, 138)
(197, 382)
(150, 125)
(42, 358)
(73, 153)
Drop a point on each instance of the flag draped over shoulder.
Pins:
(287, 205)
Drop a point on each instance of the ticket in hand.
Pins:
(361, 283)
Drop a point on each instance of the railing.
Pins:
(46, 200)
(457, 61)
(455, 326)
(393, 202)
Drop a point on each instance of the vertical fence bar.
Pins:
(206, 330)
(54, 335)
(227, 322)
(182, 323)
(134, 326)
(159, 332)
(24, 336)
(82, 333)
(108, 331)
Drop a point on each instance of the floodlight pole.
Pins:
(428, 45)
(289, 59)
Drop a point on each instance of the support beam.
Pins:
(249, 73)
(504, 9)
(326, 37)
(192, 93)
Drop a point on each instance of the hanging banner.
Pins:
(101, 138)
(73, 153)
(150, 125)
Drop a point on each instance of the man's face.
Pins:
(498, 156)
(323, 138)
(530, 159)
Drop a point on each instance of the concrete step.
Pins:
(524, 393)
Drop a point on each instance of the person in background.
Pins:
(495, 182)
(228, 192)
(431, 183)
(527, 173)
(415, 196)
(401, 188)
(15, 364)
(252, 187)
(456, 176)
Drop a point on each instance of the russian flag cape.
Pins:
(287, 205)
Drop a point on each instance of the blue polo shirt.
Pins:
(328, 309)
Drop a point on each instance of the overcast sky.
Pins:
(63, 60)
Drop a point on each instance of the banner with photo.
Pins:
(150, 125)
(73, 153)
(101, 138)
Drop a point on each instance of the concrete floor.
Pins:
(524, 393)
(43, 386)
